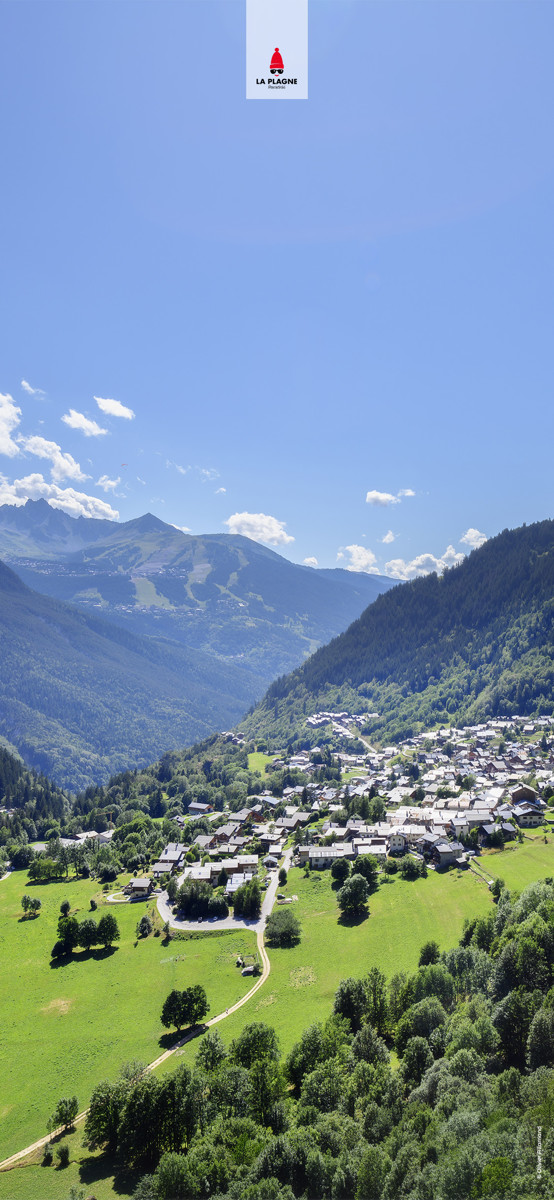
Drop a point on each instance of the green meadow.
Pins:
(518, 864)
(258, 761)
(402, 916)
(64, 1026)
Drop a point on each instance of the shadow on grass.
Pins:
(95, 1169)
(98, 954)
(276, 944)
(352, 920)
(168, 1040)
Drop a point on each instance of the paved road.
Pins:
(258, 926)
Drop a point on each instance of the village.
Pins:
(442, 796)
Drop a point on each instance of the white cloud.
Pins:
(31, 391)
(62, 465)
(473, 538)
(139, 480)
(108, 485)
(9, 420)
(340, 555)
(208, 473)
(423, 564)
(169, 463)
(34, 487)
(259, 527)
(362, 559)
(388, 538)
(310, 562)
(220, 491)
(181, 528)
(381, 499)
(114, 408)
(384, 499)
(77, 420)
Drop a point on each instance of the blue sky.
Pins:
(311, 309)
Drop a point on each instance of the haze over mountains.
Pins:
(221, 593)
(167, 639)
(474, 643)
(82, 698)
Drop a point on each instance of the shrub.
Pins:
(62, 1155)
(144, 926)
(283, 928)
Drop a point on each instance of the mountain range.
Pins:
(224, 594)
(474, 643)
(82, 698)
(167, 637)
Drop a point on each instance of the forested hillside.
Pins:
(81, 698)
(456, 1117)
(475, 642)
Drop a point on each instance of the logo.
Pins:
(276, 67)
(276, 49)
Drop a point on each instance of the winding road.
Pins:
(258, 926)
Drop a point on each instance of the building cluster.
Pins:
(426, 812)
(444, 794)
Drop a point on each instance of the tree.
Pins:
(340, 870)
(247, 901)
(368, 1047)
(68, 932)
(185, 1008)
(65, 908)
(416, 1061)
(212, 1051)
(282, 877)
(172, 1010)
(352, 898)
(429, 953)
(283, 928)
(497, 887)
(140, 1132)
(256, 1041)
(108, 930)
(412, 868)
(371, 1175)
(377, 1002)
(172, 889)
(102, 1122)
(351, 1001)
(36, 905)
(64, 1114)
(540, 1042)
(367, 865)
(144, 926)
(195, 1004)
(88, 933)
(26, 903)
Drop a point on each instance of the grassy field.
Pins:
(68, 1027)
(258, 761)
(65, 1027)
(403, 916)
(520, 864)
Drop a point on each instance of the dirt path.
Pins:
(21, 1154)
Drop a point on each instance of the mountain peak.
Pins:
(148, 523)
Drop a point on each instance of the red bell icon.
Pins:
(276, 67)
